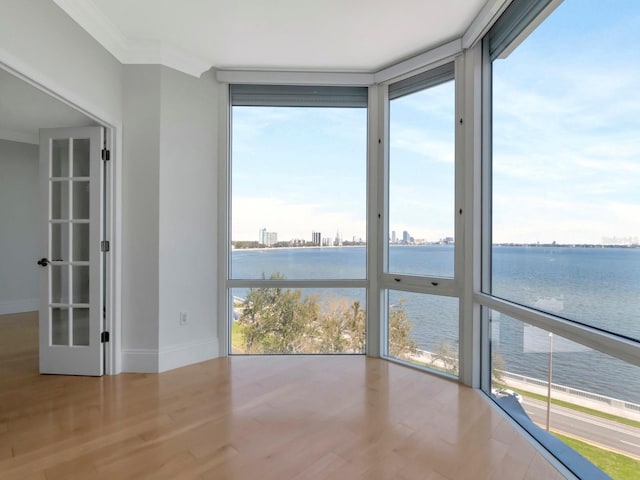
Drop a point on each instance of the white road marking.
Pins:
(629, 443)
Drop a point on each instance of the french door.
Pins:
(71, 276)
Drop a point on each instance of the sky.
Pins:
(566, 147)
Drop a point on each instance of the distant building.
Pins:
(393, 237)
(338, 240)
(316, 238)
(406, 237)
(268, 238)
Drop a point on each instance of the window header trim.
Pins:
(298, 96)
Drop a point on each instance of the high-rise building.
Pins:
(267, 238)
(393, 236)
(405, 237)
(316, 238)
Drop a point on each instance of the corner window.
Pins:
(562, 248)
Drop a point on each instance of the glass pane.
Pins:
(60, 200)
(59, 242)
(297, 263)
(595, 398)
(59, 326)
(59, 284)
(421, 182)
(423, 330)
(303, 321)
(81, 326)
(299, 180)
(81, 284)
(81, 200)
(566, 209)
(81, 157)
(60, 158)
(81, 242)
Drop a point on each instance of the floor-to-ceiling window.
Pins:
(561, 250)
(298, 219)
(419, 297)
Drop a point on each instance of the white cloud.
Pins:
(294, 220)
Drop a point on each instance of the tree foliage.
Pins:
(277, 320)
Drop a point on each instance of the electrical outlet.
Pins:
(184, 318)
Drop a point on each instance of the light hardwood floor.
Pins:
(306, 417)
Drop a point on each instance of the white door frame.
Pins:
(113, 190)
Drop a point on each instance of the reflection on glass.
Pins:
(298, 198)
(81, 284)
(298, 321)
(80, 326)
(60, 200)
(594, 397)
(81, 157)
(81, 242)
(81, 200)
(59, 284)
(421, 182)
(59, 158)
(59, 326)
(424, 330)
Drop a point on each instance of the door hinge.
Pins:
(106, 155)
(104, 337)
(105, 246)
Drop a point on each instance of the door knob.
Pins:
(43, 262)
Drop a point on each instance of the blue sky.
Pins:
(566, 146)
(567, 128)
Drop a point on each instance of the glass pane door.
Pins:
(71, 291)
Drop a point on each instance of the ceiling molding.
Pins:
(90, 18)
(145, 53)
(86, 14)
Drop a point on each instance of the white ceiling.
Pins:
(24, 109)
(318, 35)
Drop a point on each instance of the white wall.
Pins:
(188, 226)
(41, 41)
(169, 218)
(19, 221)
(140, 195)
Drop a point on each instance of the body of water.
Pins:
(596, 286)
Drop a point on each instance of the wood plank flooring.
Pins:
(308, 417)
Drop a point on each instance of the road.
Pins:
(613, 435)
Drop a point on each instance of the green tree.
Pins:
(277, 320)
(401, 343)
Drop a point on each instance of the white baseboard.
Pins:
(19, 306)
(138, 360)
(170, 357)
(176, 356)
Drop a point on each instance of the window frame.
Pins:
(226, 282)
(425, 284)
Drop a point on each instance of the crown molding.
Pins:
(151, 53)
(86, 14)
